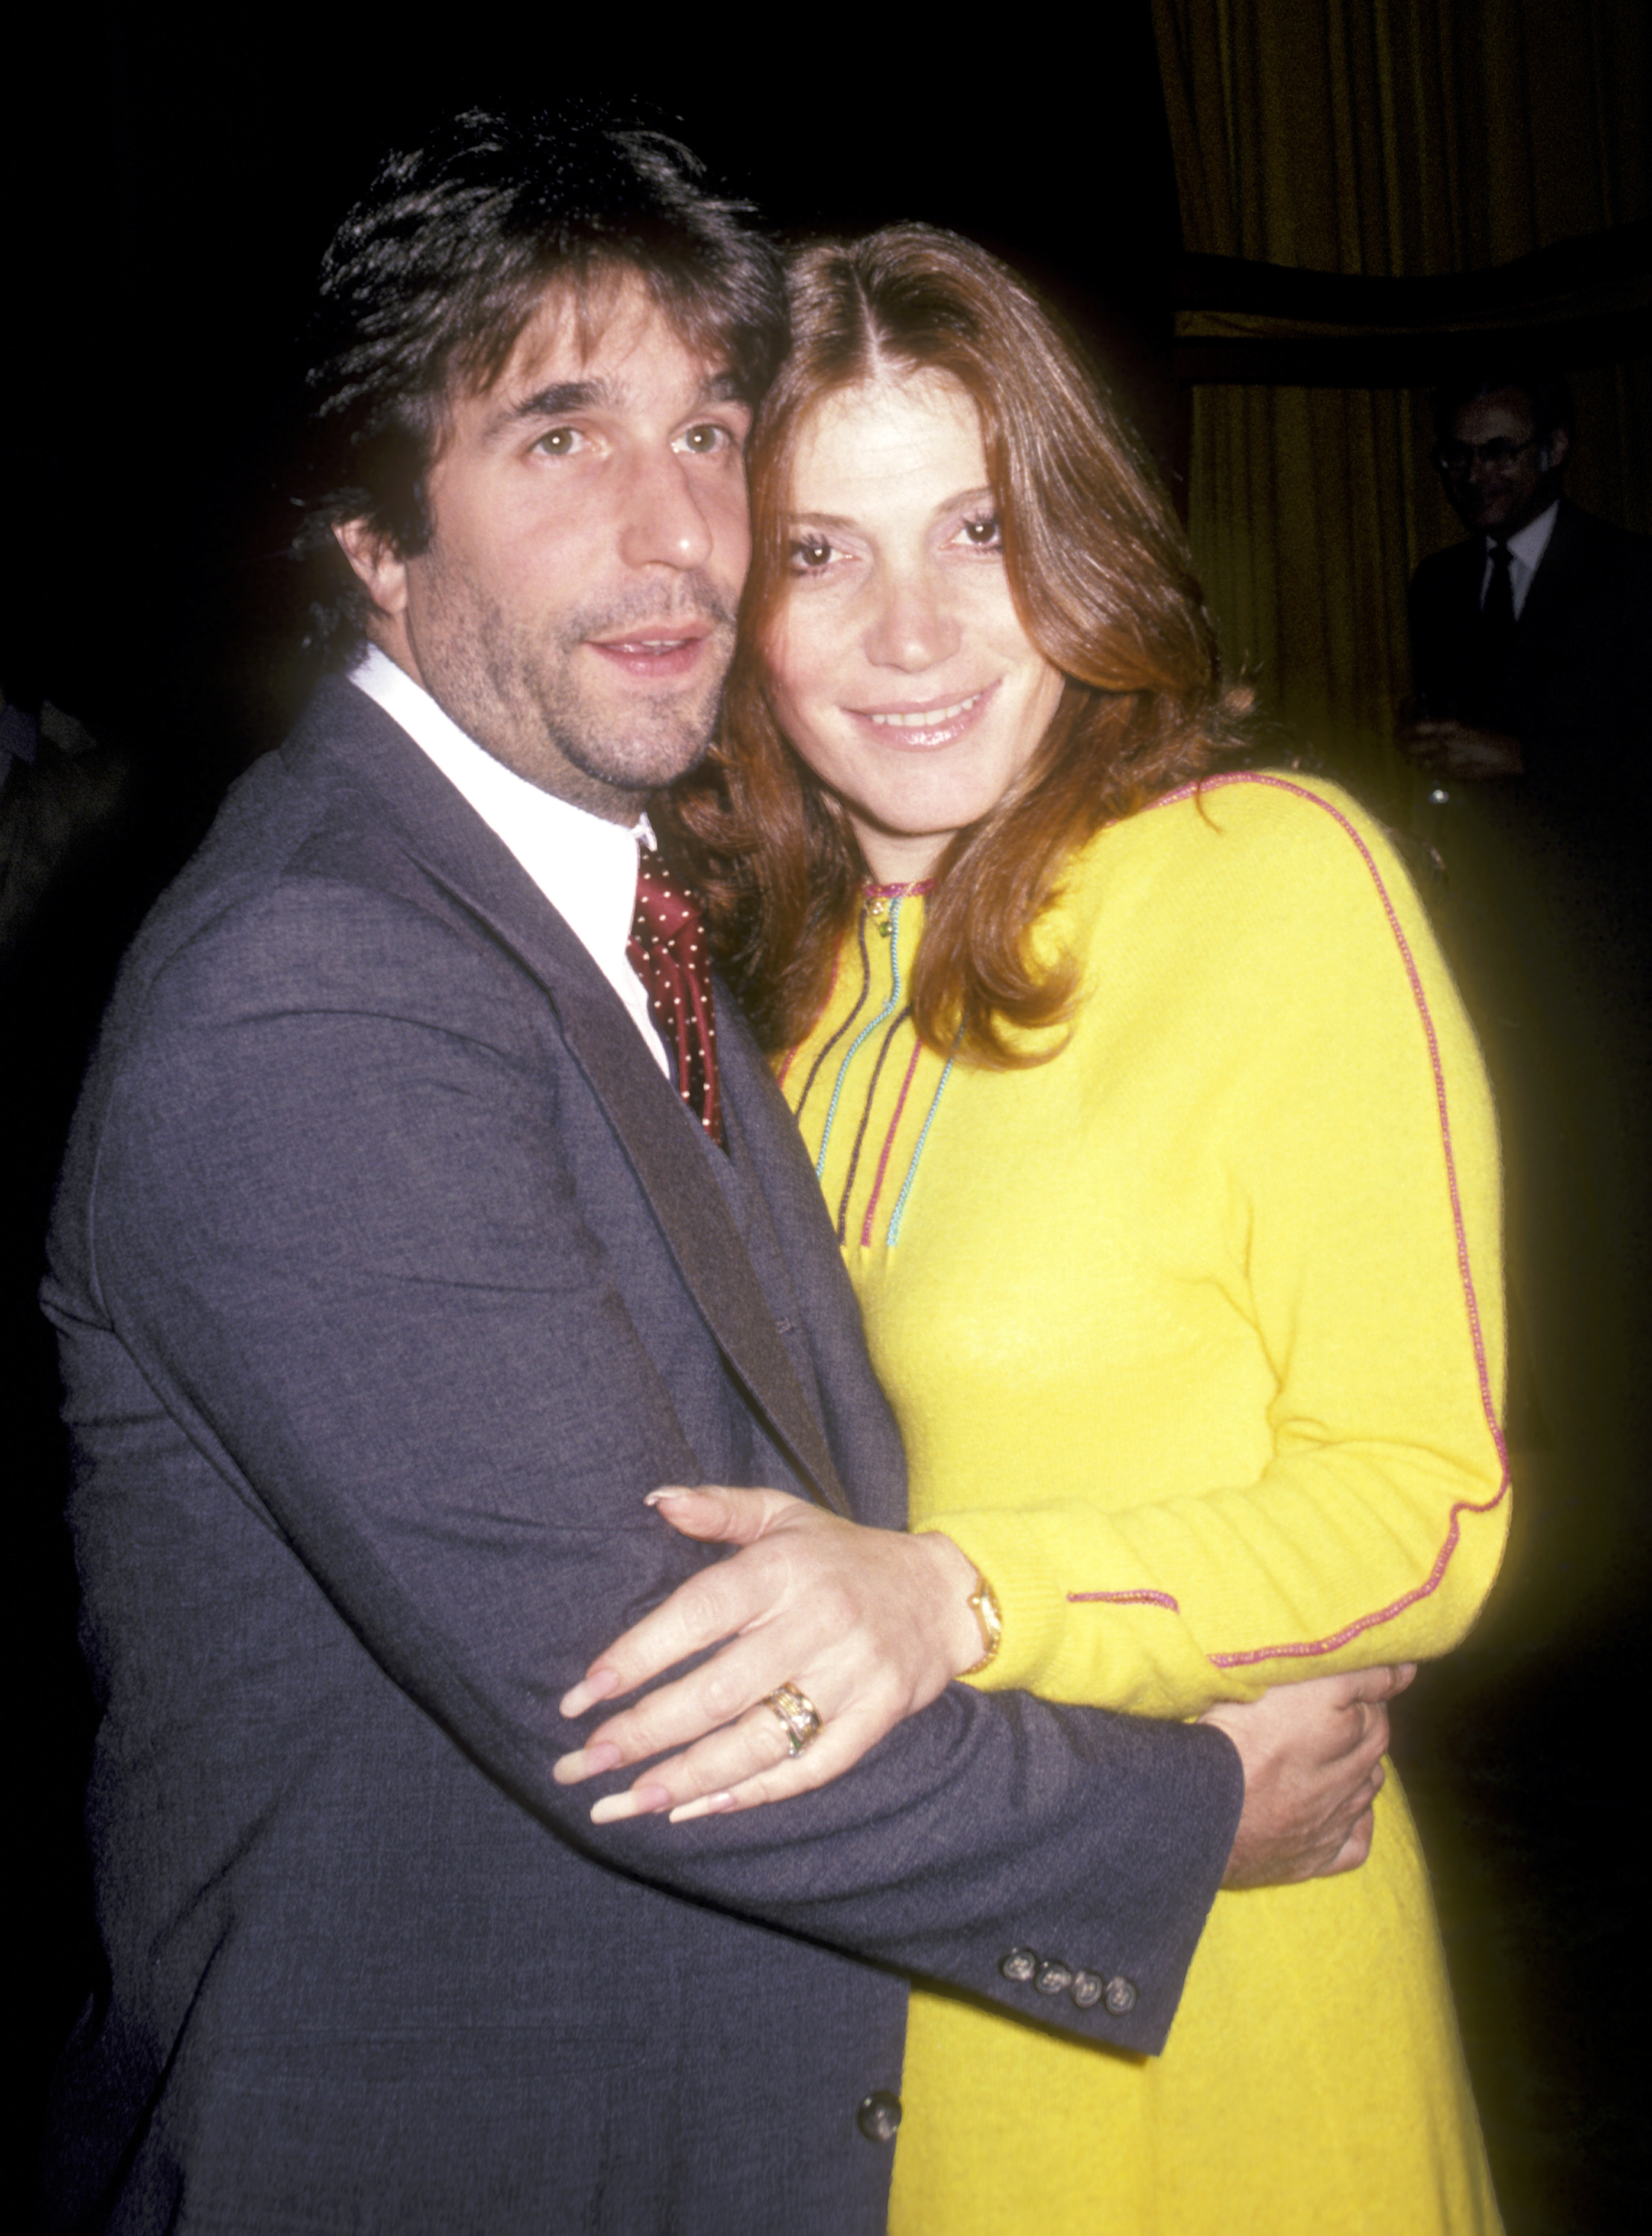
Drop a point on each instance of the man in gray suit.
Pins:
(396, 1261)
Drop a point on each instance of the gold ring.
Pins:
(798, 1714)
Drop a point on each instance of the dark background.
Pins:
(169, 186)
(174, 190)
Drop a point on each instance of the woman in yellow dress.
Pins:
(1161, 1157)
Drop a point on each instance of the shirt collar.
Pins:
(585, 865)
(1532, 540)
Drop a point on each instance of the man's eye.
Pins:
(705, 442)
(809, 554)
(561, 442)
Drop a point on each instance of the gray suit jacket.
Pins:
(389, 1275)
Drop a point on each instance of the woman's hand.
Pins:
(870, 1625)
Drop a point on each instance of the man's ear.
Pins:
(1552, 453)
(382, 570)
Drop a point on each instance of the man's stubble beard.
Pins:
(513, 690)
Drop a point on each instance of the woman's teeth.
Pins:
(931, 718)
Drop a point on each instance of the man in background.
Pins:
(1530, 640)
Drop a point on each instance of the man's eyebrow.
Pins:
(724, 388)
(560, 397)
(563, 397)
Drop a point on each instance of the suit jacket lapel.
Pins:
(672, 1165)
(1556, 571)
(455, 848)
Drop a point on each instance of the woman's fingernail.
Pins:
(600, 1685)
(585, 1762)
(709, 1804)
(666, 1491)
(640, 1801)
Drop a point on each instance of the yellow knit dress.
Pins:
(1195, 1337)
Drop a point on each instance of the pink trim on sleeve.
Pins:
(1306, 1648)
(1132, 1599)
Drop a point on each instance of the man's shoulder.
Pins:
(1601, 545)
(341, 866)
(1451, 568)
(328, 775)
(297, 807)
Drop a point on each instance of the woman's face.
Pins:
(899, 667)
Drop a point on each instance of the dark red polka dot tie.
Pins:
(668, 951)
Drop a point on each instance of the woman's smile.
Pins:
(921, 729)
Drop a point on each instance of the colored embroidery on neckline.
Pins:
(888, 1140)
(865, 1120)
(784, 1072)
(867, 1029)
(899, 1212)
(830, 1042)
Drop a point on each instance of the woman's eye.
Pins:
(983, 534)
(561, 442)
(809, 554)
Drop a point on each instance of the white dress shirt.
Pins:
(1526, 552)
(585, 865)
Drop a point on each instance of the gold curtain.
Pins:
(1385, 139)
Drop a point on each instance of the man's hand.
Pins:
(1458, 749)
(871, 1625)
(1312, 1755)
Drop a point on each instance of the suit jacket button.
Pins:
(1087, 1990)
(1120, 1995)
(878, 2115)
(1019, 1965)
(1052, 1977)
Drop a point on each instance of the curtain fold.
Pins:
(1377, 138)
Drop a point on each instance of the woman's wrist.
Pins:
(983, 1605)
(969, 1609)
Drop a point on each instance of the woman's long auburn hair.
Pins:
(1103, 583)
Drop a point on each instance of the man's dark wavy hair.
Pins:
(427, 284)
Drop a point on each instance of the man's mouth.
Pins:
(661, 654)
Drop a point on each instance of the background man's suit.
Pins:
(1576, 695)
(390, 1275)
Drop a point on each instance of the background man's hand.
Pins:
(871, 1625)
(1458, 749)
(1313, 1761)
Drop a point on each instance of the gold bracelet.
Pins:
(983, 1603)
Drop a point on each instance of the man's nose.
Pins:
(914, 625)
(664, 523)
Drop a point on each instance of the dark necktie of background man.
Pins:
(1491, 687)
